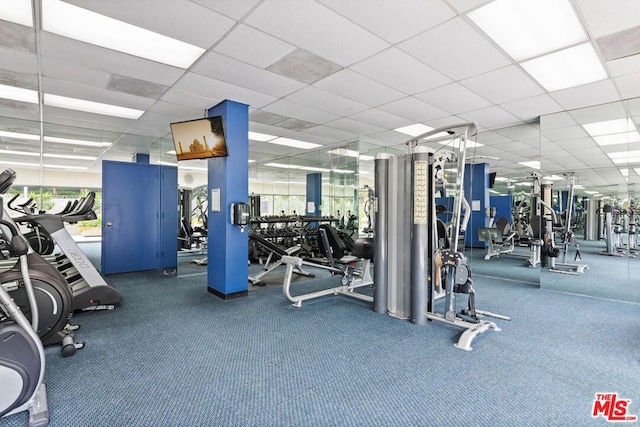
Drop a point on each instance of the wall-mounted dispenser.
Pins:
(240, 215)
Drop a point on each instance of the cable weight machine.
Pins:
(408, 260)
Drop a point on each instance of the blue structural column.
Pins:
(140, 158)
(476, 191)
(228, 183)
(314, 194)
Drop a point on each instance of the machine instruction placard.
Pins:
(420, 202)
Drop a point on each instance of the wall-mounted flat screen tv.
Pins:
(199, 139)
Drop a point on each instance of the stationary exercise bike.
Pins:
(54, 298)
(22, 358)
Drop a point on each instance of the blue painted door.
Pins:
(168, 217)
(130, 217)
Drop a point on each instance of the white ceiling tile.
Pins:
(393, 21)
(326, 101)
(629, 85)
(107, 60)
(272, 149)
(178, 112)
(605, 17)
(73, 90)
(75, 118)
(634, 106)
(331, 133)
(179, 19)
(456, 50)
(556, 120)
(253, 47)
(623, 66)
(241, 74)
(465, 5)
(18, 61)
(586, 95)
(490, 117)
(298, 111)
(311, 26)
(20, 80)
(188, 99)
(492, 138)
(521, 133)
(566, 133)
(599, 113)
(398, 70)
(532, 108)
(454, 98)
(446, 121)
(414, 109)
(575, 146)
(63, 70)
(213, 89)
(358, 88)
(233, 8)
(381, 118)
(21, 110)
(353, 126)
(503, 85)
(388, 138)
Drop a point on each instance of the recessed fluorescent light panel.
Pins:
(294, 143)
(261, 137)
(609, 127)
(18, 94)
(18, 11)
(552, 178)
(567, 68)
(624, 157)
(65, 167)
(414, 130)
(535, 164)
(55, 139)
(19, 164)
(70, 141)
(591, 192)
(350, 153)
(17, 135)
(91, 107)
(619, 138)
(53, 156)
(526, 29)
(67, 20)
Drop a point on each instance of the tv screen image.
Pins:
(199, 139)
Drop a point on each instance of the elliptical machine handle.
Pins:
(19, 245)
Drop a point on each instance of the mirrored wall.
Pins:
(600, 147)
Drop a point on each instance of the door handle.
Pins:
(109, 224)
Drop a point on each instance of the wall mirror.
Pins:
(600, 146)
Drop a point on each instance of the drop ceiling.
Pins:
(328, 72)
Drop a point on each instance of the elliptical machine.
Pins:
(22, 358)
(53, 296)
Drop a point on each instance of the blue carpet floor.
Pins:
(172, 354)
